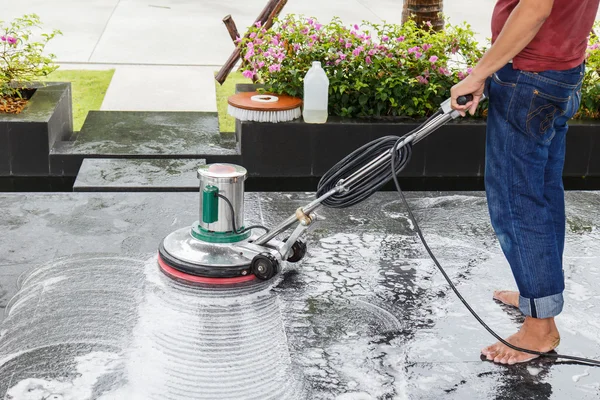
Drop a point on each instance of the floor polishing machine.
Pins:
(220, 250)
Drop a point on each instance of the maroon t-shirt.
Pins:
(561, 42)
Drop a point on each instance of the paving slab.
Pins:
(160, 134)
(137, 175)
(191, 32)
(81, 22)
(366, 314)
(161, 88)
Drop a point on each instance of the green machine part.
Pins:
(210, 204)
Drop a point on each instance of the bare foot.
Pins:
(507, 297)
(535, 334)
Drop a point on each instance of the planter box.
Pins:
(26, 138)
(456, 150)
(296, 149)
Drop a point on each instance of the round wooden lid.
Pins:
(254, 101)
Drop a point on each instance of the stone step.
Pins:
(137, 175)
(145, 135)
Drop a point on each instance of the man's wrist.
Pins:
(480, 74)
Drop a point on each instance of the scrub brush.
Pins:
(252, 106)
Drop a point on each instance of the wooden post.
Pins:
(422, 11)
(231, 28)
(270, 12)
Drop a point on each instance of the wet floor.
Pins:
(364, 316)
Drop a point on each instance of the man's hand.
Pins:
(469, 85)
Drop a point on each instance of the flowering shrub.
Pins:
(590, 92)
(374, 70)
(22, 60)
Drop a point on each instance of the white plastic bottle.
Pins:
(316, 95)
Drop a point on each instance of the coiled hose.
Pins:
(375, 179)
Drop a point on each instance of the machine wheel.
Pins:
(265, 266)
(298, 251)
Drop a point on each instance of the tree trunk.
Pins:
(422, 11)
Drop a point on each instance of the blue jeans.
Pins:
(525, 154)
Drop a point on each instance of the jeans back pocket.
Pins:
(543, 111)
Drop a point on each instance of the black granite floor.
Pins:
(366, 314)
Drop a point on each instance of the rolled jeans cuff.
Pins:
(543, 307)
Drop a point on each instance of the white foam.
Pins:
(576, 378)
(89, 369)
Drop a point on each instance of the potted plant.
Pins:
(33, 115)
(384, 80)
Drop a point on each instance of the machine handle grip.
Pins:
(462, 100)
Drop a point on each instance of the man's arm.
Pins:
(521, 27)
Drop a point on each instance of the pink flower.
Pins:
(385, 38)
(248, 74)
(422, 80)
(400, 39)
(469, 70)
(275, 68)
(433, 59)
(390, 55)
(342, 56)
(296, 46)
(259, 41)
(252, 35)
(418, 55)
(348, 45)
(275, 42)
(304, 31)
(318, 26)
(338, 61)
(249, 54)
(258, 24)
(428, 23)
(371, 52)
(250, 45)
(427, 47)
(314, 37)
(261, 64)
(461, 76)
(368, 60)
(594, 46)
(357, 51)
(414, 49)
(310, 21)
(356, 27)
(280, 56)
(237, 40)
(444, 71)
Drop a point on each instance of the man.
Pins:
(536, 65)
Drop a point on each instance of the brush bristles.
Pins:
(264, 116)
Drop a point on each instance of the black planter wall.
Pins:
(26, 138)
(457, 150)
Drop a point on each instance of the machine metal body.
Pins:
(219, 250)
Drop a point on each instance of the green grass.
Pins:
(88, 89)
(227, 123)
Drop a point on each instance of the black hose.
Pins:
(232, 210)
(376, 179)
